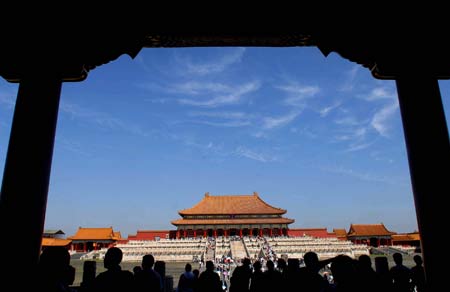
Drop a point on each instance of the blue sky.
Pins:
(141, 139)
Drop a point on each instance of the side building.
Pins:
(370, 234)
(88, 239)
(231, 215)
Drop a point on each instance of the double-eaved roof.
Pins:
(232, 205)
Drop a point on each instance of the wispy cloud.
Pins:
(196, 88)
(349, 83)
(233, 97)
(297, 93)
(379, 93)
(361, 175)
(381, 118)
(226, 124)
(71, 146)
(222, 119)
(158, 100)
(242, 151)
(326, 110)
(216, 66)
(100, 119)
(224, 115)
(276, 122)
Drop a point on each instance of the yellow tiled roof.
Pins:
(46, 241)
(233, 221)
(232, 204)
(94, 234)
(368, 229)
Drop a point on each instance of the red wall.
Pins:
(315, 232)
(149, 234)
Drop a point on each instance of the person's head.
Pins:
(270, 265)
(113, 257)
(364, 261)
(196, 272)
(381, 265)
(342, 269)
(311, 259)
(257, 266)
(54, 262)
(137, 269)
(398, 258)
(209, 265)
(188, 268)
(281, 264)
(160, 267)
(418, 260)
(148, 261)
(246, 262)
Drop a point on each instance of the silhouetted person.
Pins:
(240, 280)
(366, 276)
(383, 275)
(89, 273)
(418, 275)
(113, 279)
(196, 273)
(272, 278)
(69, 278)
(344, 272)
(257, 279)
(209, 281)
(160, 268)
(186, 281)
(148, 279)
(309, 277)
(136, 269)
(293, 270)
(400, 274)
(53, 269)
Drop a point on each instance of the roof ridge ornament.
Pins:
(256, 194)
(207, 194)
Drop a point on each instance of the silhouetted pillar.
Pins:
(26, 174)
(215, 233)
(260, 232)
(185, 233)
(178, 234)
(428, 148)
(204, 233)
(240, 232)
(270, 232)
(195, 233)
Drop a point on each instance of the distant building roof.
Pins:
(406, 237)
(233, 221)
(53, 231)
(94, 234)
(340, 233)
(55, 242)
(368, 230)
(117, 235)
(231, 204)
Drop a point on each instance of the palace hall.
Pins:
(231, 215)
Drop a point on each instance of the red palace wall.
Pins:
(315, 232)
(149, 234)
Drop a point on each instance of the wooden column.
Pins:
(26, 174)
(428, 148)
